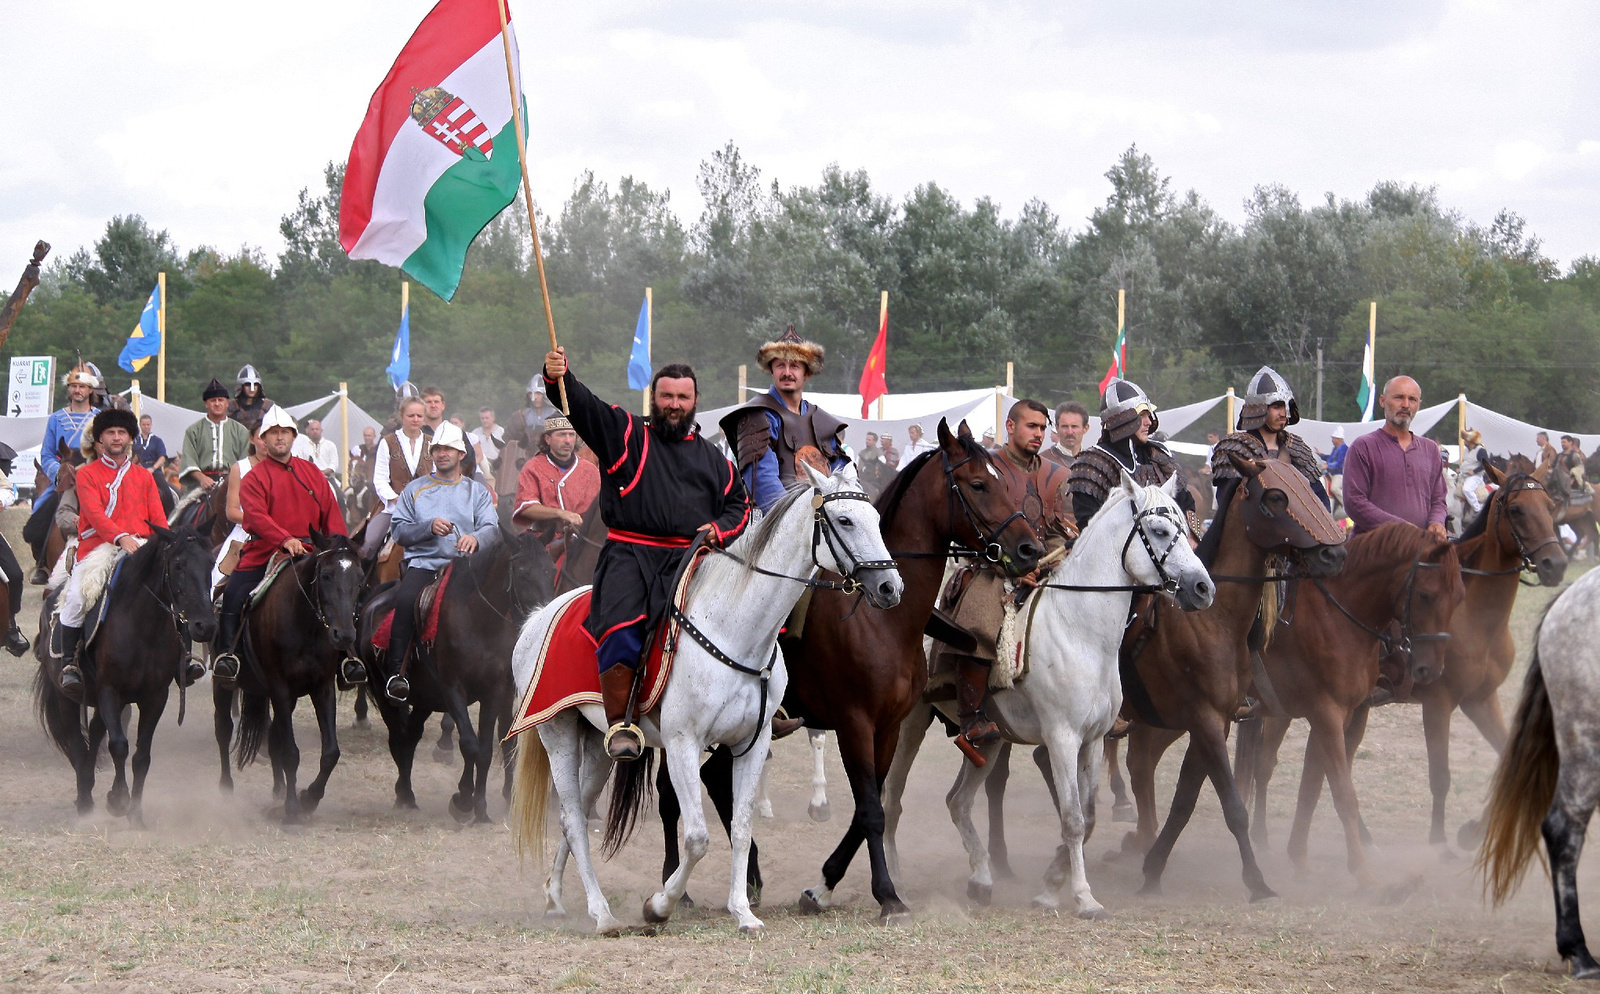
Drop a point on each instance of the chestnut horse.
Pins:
(1322, 665)
(860, 672)
(1187, 672)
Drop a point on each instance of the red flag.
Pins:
(872, 384)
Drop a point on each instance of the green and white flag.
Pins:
(1367, 396)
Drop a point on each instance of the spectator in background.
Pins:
(527, 425)
(918, 445)
(148, 448)
(313, 447)
(489, 437)
(891, 455)
(1335, 464)
(1547, 452)
(1072, 423)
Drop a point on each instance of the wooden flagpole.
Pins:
(137, 397)
(161, 329)
(1122, 333)
(527, 188)
(344, 431)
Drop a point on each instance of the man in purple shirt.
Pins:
(1393, 474)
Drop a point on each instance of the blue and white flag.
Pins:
(639, 362)
(399, 368)
(146, 338)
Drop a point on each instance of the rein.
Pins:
(315, 602)
(764, 673)
(1407, 636)
(1523, 552)
(180, 624)
(991, 551)
(1168, 584)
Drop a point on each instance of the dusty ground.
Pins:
(215, 895)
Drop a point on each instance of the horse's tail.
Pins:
(1520, 795)
(530, 795)
(632, 786)
(57, 715)
(255, 714)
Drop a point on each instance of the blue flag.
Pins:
(399, 368)
(146, 338)
(639, 361)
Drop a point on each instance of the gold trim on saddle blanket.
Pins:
(650, 695)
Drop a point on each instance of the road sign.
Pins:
(32, 386)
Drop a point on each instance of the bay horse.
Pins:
(1184, 672)
(292, 642)
(490, 594)
(1068, 694)
(1323, 665)
(861, 672)
(159, 604)
(1548, 779)
(1579, 516)
(735, 606)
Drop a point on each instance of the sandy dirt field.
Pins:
(215, 895)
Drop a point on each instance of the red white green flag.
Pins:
(436, 158)
(1119, 360)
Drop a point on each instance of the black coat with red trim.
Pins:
(654, 496)
(652, 488)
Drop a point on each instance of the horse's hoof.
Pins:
(556, 912)
(1469, 834)
(1448, 855)
(482, 818)
(896, 919)
(980, 894)
(117, 804)
(308, 804)
(84, 805)
(1124, 814)
(1587, 969)
(764, 810)
(1151, 888)
(651, 914)
(1001, 870)
(686, 902)
(1046, 902)
(1095, 914)
(809, 905)
(754, 930)
(461, 808)
(1262, 893)
(362, 724)
(819, 812)
(225, 786)
(610, 926)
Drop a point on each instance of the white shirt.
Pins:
(323, 454)
(489, 442)
(410, 451)
(917, 448)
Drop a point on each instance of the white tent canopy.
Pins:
(1320, 433)
(1504, 436)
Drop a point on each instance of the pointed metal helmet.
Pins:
(1266, 388)
(248, 375)
(1120, 407)
(407, 391)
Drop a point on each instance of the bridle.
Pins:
(1521, 481)
(824, 531)
(992, 551)
(318, 607)
(1407, 638)
(1168, 583)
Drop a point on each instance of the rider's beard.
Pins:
(672, 431)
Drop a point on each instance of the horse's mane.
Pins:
(890, 499)
(756, 542)
(1391, 540)
(192, 497)
(1116, 496)
(1211, 541)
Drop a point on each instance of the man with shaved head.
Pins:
(1394, 474)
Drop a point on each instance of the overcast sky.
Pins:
(207, 118)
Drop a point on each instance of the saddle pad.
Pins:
(566, 672)
(428, 606)
(275, 566)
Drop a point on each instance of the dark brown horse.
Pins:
(160, 603)
(1579, 515)
(1188, 672)
(1322, 665)
(859, 672)
(292, 644)
(581, 551)
(488, 597)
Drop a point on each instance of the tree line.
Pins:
(1461, 307)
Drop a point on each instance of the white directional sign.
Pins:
(31, 392)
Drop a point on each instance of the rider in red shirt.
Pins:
(283, 498)
(117, 503)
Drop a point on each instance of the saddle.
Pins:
(566, 672)
(429, 604)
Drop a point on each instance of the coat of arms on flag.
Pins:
(447, 118)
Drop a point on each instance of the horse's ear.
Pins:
(161, 534)
(318, 539)
(946, 440)
(964, 432)
(1130, 486)
(1494, 474)
(1170, 487)
(818, 480)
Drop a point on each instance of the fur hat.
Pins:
(215, 390)
(83, 376)
(1472, 437)
(1266, 388)
(791, 346)
(113, 418)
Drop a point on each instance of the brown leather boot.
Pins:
(972, 683)
(624, 741)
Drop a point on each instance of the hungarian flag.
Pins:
(436, 158)
(1369, 389)
(872, 383)
(1119, 360)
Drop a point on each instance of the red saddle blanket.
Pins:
(429, 604)
(567, 674)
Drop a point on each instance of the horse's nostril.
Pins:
(1028, 550)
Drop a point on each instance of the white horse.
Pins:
(1071, 691)
(737, 602)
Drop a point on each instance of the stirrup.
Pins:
(193, 670)
(353, 671)
(783, 725)
(623, 753)
(980, 731)
(70, 683)
(397, 689)
(225, 669)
